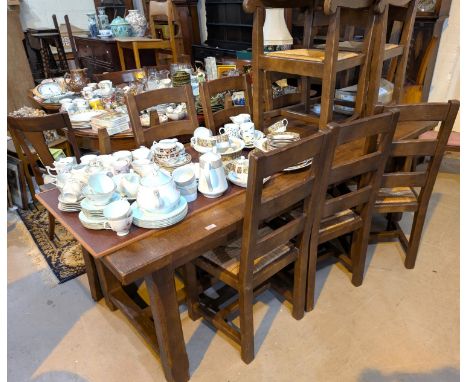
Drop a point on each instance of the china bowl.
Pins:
(184, 176)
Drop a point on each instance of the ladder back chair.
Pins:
(214, 120)
(29, 132)
(145, 136)
(246, 264)
(398, 193)
(314, 63)
(351, 212)
(394, 29)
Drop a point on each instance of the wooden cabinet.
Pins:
(98, 55)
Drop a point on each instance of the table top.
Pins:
(209, 220)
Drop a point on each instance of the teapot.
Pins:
(76, 80)
(158, 193)
(212, 182)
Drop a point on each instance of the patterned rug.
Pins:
(63, 254)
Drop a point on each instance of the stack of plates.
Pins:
(93, 211)
(262, 145)
(67, 206)
(145, 219)
(82, 120)
(92, 223)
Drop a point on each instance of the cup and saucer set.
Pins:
(170, 154)
(238, 172)
(243, 128)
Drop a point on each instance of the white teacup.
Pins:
(120, 226)
(88, 159)
(120, 166)
(93, 85)
(184, 176)
(129, 184)
(144, 167)
(81, 103)
(71, 191)
(117, 210)
(232, 129)
(202, 132)
(240, 118)
(247, 132)
(106, 160)
(106, 87)
(122, 154)
(141, 153)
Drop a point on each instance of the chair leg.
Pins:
(358, 256)
(246, 325)
(300, 281)
(191, 289)
(311, 271)
(415, 238)
(51, 226)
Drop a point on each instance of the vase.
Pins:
(137, 21)
(76, 80)
(92, 24)
(120, 27)
(103, 18)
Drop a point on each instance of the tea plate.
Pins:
(261, 145)
(146, 220)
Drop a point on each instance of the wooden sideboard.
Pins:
(98, 55)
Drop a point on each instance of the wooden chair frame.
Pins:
(145, 136)
(396, 21)
(326, 69)
(214, 120)
(24, 130)
(264, 203)
(368, 168)
(407, 176)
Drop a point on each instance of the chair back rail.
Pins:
(261, 204)
(29, 131)
(367, 167)
(445, 113)
(214, 120)
(156, 130)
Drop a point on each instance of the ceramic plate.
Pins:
(144, 220)
(261, 144)
(234, 179)
(49, 89)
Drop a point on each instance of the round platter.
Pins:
(235, 180)
(261, 145)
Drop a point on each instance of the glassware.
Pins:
(426, 5)
(103, 18)
(92, 24)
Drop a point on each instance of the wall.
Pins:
(38, 13)
(446, 79)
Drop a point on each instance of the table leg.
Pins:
(108, 283)
(165, 310)
(93, 279)
(136, 53)
(121, 56)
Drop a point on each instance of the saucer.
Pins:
(232, 176)
(145, 219)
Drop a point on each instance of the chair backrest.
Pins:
(268, 201)
(393, 26)
(30, 131)
(157, 130)
(366, 165)
(405, 175)
(122, 77)
(214, 120)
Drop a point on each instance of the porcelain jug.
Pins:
(158, 193)
(76, 80)
(212, 181)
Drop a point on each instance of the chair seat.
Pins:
(315, 55)
(396, 195)
(228, 256)
(337, 220)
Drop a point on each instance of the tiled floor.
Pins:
(400, 325)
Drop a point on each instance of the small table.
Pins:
(142, 43)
